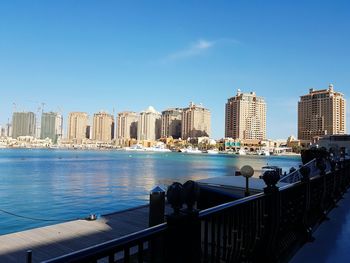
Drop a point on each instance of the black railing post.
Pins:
(272, 215)
(346, 165)
(307, 229)
(183, 237)
(342, 177)
(156, 217)
(156, 206)
(29, 256)
(321, 165)
(334, 178)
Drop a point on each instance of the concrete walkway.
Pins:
(332, 242)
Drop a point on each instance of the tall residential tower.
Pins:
(245, 117)
(149, 125)
(196, 121)
(321, 112)
(51, 126)
(171, 123)
(103, 127)
(23, 124)
(77, 126)
(127, 125)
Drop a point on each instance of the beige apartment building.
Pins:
(245, 117)
(149, 125)
(196, 122)
(321, 112)
(171, 123)
(103, 127)
(77, 126)
(127, 125)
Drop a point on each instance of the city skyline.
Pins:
(91, 56)
(90, 120)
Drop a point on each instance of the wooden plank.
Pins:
(56, 240)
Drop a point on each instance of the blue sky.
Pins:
(126, 55)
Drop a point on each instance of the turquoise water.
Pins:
(64, 185)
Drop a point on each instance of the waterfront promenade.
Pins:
(332, 238)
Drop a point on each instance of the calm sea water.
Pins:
(64, 185)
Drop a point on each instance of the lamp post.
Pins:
(247, 171)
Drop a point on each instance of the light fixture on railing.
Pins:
(247, 171)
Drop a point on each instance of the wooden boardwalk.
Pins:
(55, 240)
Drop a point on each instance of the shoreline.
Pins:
(143, 151)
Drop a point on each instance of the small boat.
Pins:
(242, 152)
(263, 152)
(213, 151)
(191, 150)
(135, 147)
(158, 148)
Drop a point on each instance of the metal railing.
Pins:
(271, 226)
(296, 176)
(142, 246)
(266, 227)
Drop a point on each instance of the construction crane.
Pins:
(43, 104)
(59, 110)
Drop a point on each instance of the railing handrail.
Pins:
(109, 246)
(295, 173)
(222, 207)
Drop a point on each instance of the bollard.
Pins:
(156, 206)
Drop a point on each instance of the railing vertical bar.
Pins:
(140, 252)
(126, 255)
(239, 232)
(224, 237)
(212, 239)
(230, 229)
(206, 226)
(235, 235)
(111, 258)
(218, 239)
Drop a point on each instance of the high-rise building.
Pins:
(51, 126)
(245, 117)
(171, 123)
(321, 112)
(8, 130)
(149, 125)
(196, 122)
(103, 127)
(127, 125)
(23, 124)
(2, 131)
(77, 126)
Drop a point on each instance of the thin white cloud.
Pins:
(197, 48)
(193, 50)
